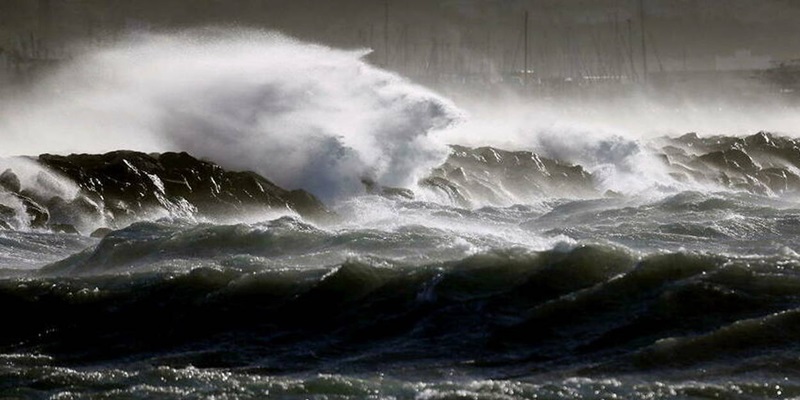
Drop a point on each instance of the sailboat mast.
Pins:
(525, 69)
(630, 50)
(644, 42)
(386, 34)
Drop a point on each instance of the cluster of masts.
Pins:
(615, 55)
(544, 53)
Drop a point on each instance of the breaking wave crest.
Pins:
(303, 115)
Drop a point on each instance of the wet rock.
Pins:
(38, 215)
(781, 180)
(397, 193)
(373, 188)
(761, 163)
(81, 212)
(6, 214)
(100, 233)
(450, 189)
(64, 228)
(307, 204)
(690, 137)
(760, 139)
(733, 160)
(10, 181)
(126, 185)
(457, 175)
(488, 174)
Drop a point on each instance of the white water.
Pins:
(305, 116)
(308, 116)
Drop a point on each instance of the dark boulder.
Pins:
(100, 233)
(10, 181)
(64, 228)
(734, 160)
(307, 204)
(393, 192)
(373, 187)
(38, 215)
(6, 214)
(490, 174)
(128, 185)
(761, 163)
(450, 189)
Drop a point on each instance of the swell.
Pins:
(585, 307)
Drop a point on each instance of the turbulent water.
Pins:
(600, 267)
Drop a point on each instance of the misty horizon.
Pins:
(681, 35)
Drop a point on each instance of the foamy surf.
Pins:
(308, 116)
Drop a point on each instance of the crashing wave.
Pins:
(83, 192)
(303, 115)
(763, 163)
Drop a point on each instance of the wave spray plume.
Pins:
(305, 116)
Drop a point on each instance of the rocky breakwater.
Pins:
(121, 187)
(763, 163)
(490, 175)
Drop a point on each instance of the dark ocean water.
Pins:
(690, 295)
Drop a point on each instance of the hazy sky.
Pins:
(692, 32)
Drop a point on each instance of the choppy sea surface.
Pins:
(688, 295)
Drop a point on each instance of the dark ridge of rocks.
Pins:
(131, 182)
(37, 215)
(489, 174)
(762, 163)
(100, 233)
(9, 181)
(308, 205)
(123, 186)
(451, 189)
(64, 228)
(7, 213)
(373, 187)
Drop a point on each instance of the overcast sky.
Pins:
(689, 31)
